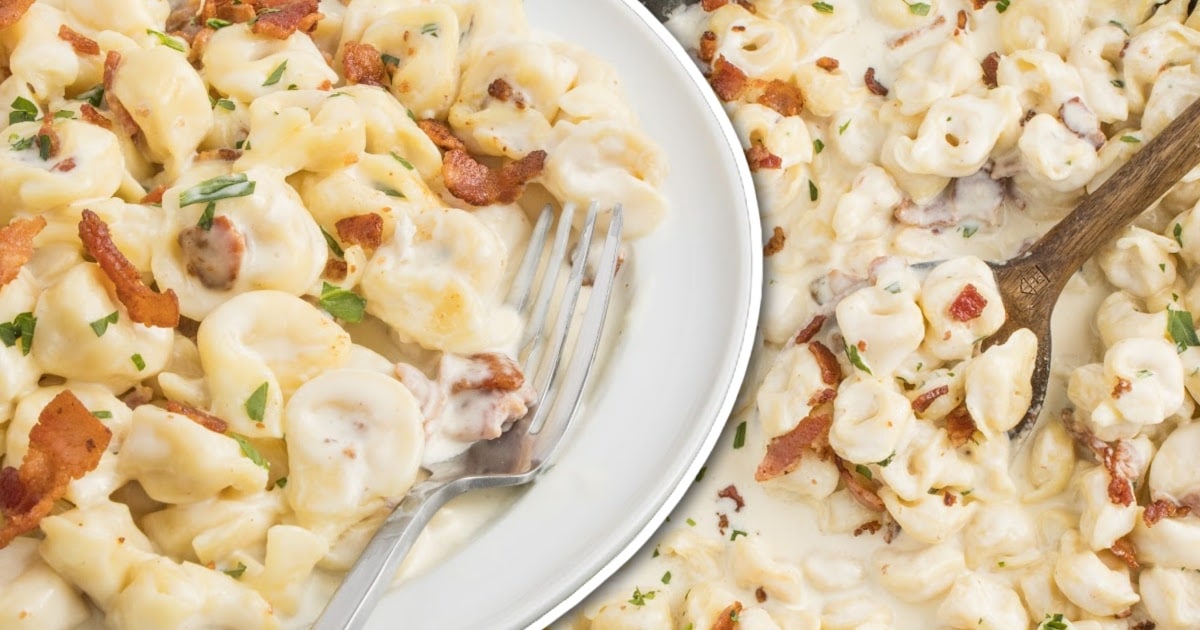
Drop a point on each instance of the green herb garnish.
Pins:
(1182, 329)
(823, 7)
(23, 110)
(403, 162)
(100, 326)
(167, 40)
(249, 450)
(256, 404)
(217, 188)
(20, 329)
(739, 437)
(138, 362)
(343, 304)
(276, 74)
(855, 359)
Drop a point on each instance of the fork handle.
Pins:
(371, 575)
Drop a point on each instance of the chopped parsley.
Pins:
(700, 475)
(969, 230)
(918, 8)
(639, 598)
(389, 60)
(333, 244)
(1117, 83)
(64, 113)
(823, 7)
(739, 437)
(281, 482)
(167, 40)
(818, 146)
(883, 463)
(430, 29)
(691, 522)
(20, 144)
(736, 533)
(217, 23)
(345, 305)
(666, 578)
(206, 217)
(391, 192)
(1002, 6)
(217, 188)
(276, 74)
(225, 103)
(892, 288)
(1054, 622)
(94, 96)
(237, 571)
(102, 414)
(1182, 329)
(813, 193)
(20, 329)
(44, 144)
(100, 326)
(256, 404)
(1130, 139)
(844, 126)
(248, 449)
(138, 362)
(23, 110)
(863, 470)
(403, 162)
(1177, 232)
(855, 359)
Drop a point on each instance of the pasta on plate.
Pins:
(871, 482)
(252, 265)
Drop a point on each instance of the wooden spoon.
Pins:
(1031, 283)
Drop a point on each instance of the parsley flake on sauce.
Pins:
(23, 110)
(256, 404)
(249, 450)
(19, 330)
(345, 305)
(100, 326)
(138, 362)
(918, 8)
(276, 74)
(739, 437)
(823, 7)
(167, 40)
(217, 188)
(1182, 329)
(94, 96)
(855, 359)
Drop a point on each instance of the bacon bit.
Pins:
(363, 65)
(335, 269)
(775, 243)
(365, 230)
(858, 487)
(781, 96)
(873, 85)
(727, 620)
(441, 135)
(760, 158)
(784, 451)
(479, 185)
(727, 80)
(144, 305)
(731, 492)
(198, 42)
(991, 65)
(111, 62)
(499, 373)
(960, 426)
(155, 196)
(708, 46)
(1143, 625)
(968, 305)
(1028, 117)
(82, 45)
(828, 64)
(913, 34)
(11, 12)
(922, 402)
(1161, 508)
(183, 14)
(1124, 550)
(280, 18)
(712, 5)
(137, 396)
(722, 522)
(92, 116)
(500, 90)
(979, 4)
(810, 330)
(231, 10)
(962, 22)
(65, 444)
(225, 154)
(64, 166)
(760, 595)
(831, 370)
(51, 137)
(214, 256)
(1120, 489)
(202, 418)
(949, 498)
(16, 246)
(1082, 121)
(870, 527)
(823, 396)
(1122, 387)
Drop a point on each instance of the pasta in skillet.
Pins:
(244, 297)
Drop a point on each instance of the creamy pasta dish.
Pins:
(868, 480)
(253, 257)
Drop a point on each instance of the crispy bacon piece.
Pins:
(92, 116)
(949, 498)
(1122, 387)
(775, 243)
(500, 90)
(200, 417)
(64, 166)
(441, 135)
(712, 5)
(65, 444)
(960, 426)
(991, 65)
(144, 305)
(1115, 461)
(760, 158)
(784, 451)
(731, 84)
(363, 65)
(811, 329)
(731, 492)
(80, 43)
(922, 402)
(224, 153)
(365, 230)
(708, 46)
(137, 396)
(870, 527)
(214, 256)
(230, 10)
(722, 522)
(760, 595)
(1124, 550)
(823, 396)
(335, 269)
(47, 135)
(11, 12)
(155, 196)
(128, 125)
(497, 372)
(198, 42)
(828, 64)
(16, 246)
(831, 370)
(962, 22)
(859, 487)
(979, 4)
(727, 80)
(873, 84)
(1159, 509)
(479, 185)
(781, 96)
(913, 34)
(280, 18)
(727, 620)
(968, 305)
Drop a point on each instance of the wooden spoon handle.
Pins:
(1148, 175)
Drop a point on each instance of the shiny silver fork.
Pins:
(521, 452)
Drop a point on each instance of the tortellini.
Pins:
(32, 183)
(246, 66)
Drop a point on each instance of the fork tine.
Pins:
(545, 293)
(551, 346)
(568, 389)
(518, 294)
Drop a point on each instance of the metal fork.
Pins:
(521, 453)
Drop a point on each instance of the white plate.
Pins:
(670, 383)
